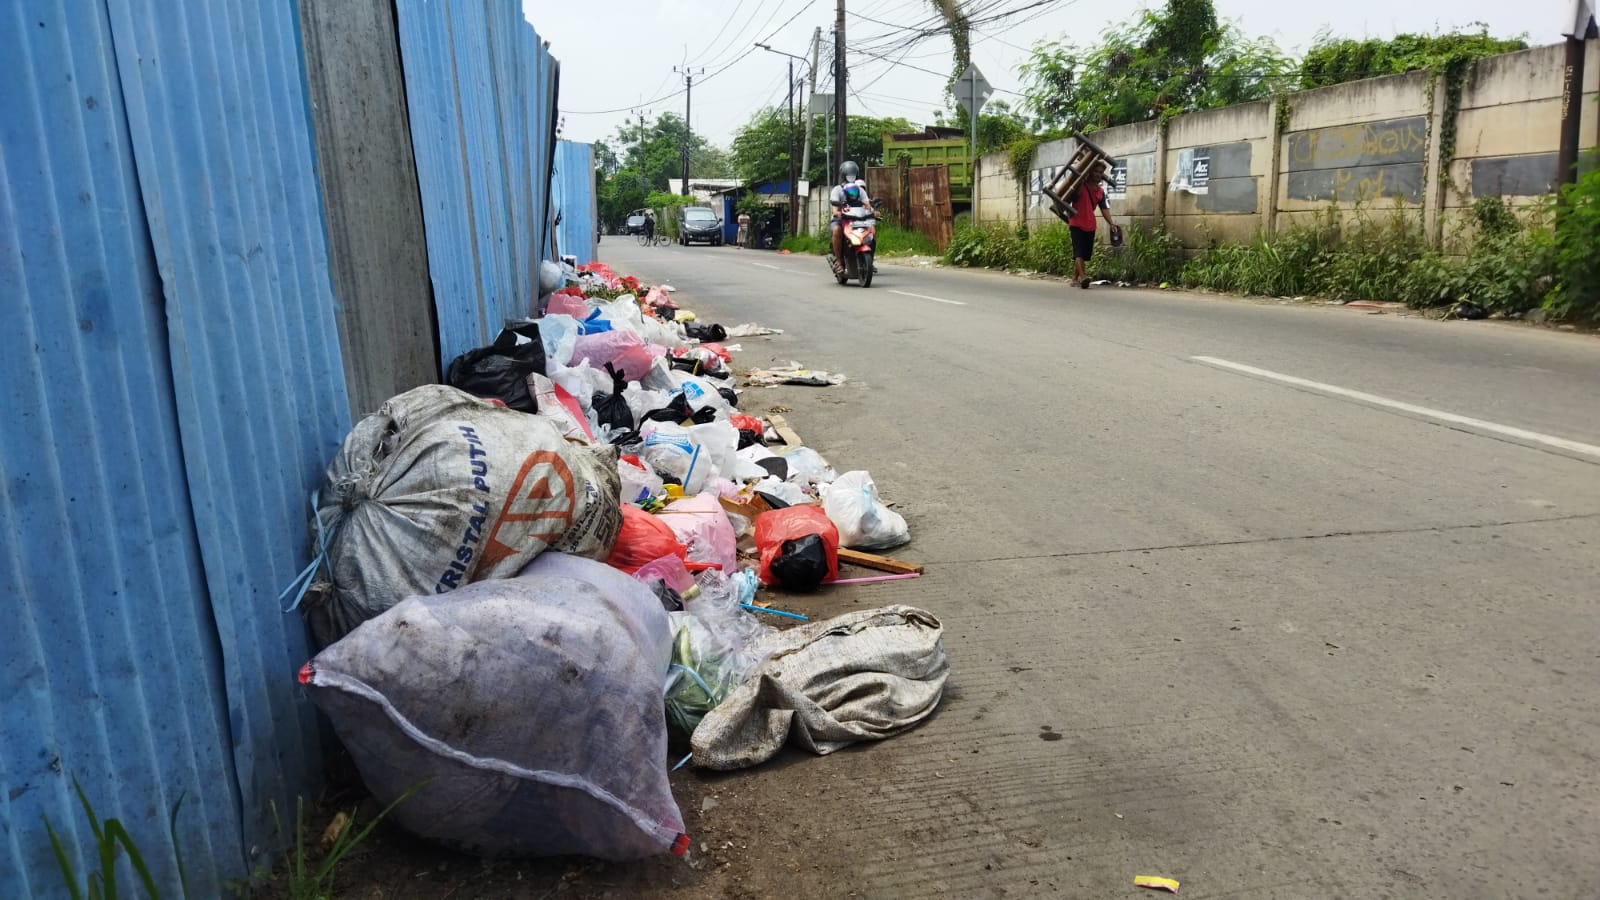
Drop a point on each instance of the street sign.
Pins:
(821, 105)
(972, 90)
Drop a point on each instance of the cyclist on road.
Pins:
(649, 227)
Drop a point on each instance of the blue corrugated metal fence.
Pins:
(173, 384)
(572, 192)
(481, 89)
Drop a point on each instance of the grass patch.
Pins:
(1507, 264)
(892, 241)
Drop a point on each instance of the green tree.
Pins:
(1334, 60)
(761, 148)
(1177, 59)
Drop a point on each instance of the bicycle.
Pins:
(657, 239)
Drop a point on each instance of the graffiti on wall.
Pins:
(1385, 143)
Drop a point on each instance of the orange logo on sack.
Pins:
(542, 494)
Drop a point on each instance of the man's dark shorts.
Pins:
(1082, 243)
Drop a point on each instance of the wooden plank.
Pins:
(881, 563)
(784, 432)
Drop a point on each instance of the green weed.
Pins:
(111, 841)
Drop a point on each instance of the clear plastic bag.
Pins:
(714, 650)
(807, 468)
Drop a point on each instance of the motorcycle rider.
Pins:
(840, 198)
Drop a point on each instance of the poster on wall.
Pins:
(1117, 182)
(1192, 175)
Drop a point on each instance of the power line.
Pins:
(731, 63)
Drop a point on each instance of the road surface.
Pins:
(1282, 601)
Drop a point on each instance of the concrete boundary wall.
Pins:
(1367, 147)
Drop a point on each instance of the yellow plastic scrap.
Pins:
(684, 315)
(1156, 882)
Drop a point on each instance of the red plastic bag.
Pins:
(719, 350)
(642, 540)
(776, 526)
(748, 423)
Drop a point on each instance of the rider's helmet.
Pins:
(849, 172)
(852, 195)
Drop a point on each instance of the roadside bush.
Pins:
(1576, 250)
(1147, 256)
(986, 245)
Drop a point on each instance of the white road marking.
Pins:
(765, 266)
(926, 297)
(1521, 434)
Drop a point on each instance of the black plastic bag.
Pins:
(776, 466)
(676, 410)
(748, 438)
(802, 564)
(612, 409)
(501, 369)
(729, 395)
(705, 332)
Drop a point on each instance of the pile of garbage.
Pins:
(531, 579)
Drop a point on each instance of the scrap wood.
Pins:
(749, 510)
(881, 563)
(780, 425)
(1156, 882)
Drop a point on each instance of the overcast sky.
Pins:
(619, 54)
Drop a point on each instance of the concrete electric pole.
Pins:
(688, 73)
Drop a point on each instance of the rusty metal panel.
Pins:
(929, 190)
(883, 186)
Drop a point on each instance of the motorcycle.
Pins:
(860, 242)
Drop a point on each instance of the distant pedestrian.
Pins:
(1091, 197)
(744, 230)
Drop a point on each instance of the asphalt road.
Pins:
(1264, 637)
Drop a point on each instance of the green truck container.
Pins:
(936, 147)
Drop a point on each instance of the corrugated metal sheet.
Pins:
(573, 201)
(369, 189)
(173, 385)
(481, 91)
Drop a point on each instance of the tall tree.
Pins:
(761, 148)
(960, 27)
(1177, 59)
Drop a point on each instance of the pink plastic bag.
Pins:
(626, 351)
(702, 525)
(567, 305)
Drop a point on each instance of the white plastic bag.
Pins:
(692, 455)
(528, 709)
(559, 334)
(701, 392)
(808, 468)
(641, 401)
(783, 490)
(864, 522)
(638, 483)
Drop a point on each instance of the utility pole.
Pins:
(816, 47)
(841, 150)
(794, 186)
(688, 73)
(1578, 31)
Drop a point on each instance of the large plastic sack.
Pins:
(702, 526)
(623, 349)
(643, 539)
(501, 369)
(528, 710)
(785, 531)
(438, 489)
(690, 455)
(559, 334)
(865, 523)
(862, 676)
